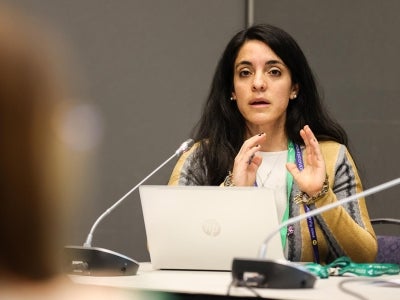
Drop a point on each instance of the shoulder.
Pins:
(179, 173)
(331, 146)
(192, 151)
(332, 150)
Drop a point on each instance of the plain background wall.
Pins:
(146, 67)
(353, 47)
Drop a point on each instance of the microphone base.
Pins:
(93, 261)
(274, 274)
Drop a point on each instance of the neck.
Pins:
(276, 138)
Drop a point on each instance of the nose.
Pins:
(259, 83)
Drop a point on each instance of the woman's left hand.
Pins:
(311, 179)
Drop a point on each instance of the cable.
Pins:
(350, 292)
(245, 285)
(372, 280)
(251, 289)
(231, 284)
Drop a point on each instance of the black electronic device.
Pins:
(261, 273)
(95, 261)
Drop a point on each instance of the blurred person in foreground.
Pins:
(36, 167)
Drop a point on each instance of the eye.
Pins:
(275, 72)
(244, 73)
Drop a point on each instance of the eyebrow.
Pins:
(268, 63)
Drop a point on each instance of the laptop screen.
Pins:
(205, 227)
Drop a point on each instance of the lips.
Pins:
(260, 101)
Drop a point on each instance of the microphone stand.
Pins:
(283, 274)
(88, 260)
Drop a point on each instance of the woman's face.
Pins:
(262, 86)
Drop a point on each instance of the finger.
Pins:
(313, 149)
(312, 140)
(254, 140)
(249, 144)
(309, 135)
(309, 150)
(316, 150)
(292, 168)
(256, 161)
(305, 138)
(246, 157)
(252, 152)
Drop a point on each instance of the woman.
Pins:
(264, 125)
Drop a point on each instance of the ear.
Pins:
(295, 91)
(233, 97)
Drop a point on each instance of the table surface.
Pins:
(217, 283)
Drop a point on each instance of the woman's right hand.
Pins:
(247, 161)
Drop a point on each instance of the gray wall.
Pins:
(147, 66)
(353, 47)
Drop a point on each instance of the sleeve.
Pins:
(347, 228)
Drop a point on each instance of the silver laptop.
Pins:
(205, 227)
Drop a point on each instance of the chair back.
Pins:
(388, 245)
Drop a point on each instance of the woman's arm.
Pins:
(347, 228)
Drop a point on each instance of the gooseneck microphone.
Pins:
(185, 146)
(88, 260)
(282, 274)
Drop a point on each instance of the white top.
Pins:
(272, 174)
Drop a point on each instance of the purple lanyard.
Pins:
(310, 220)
